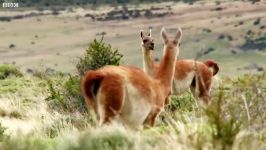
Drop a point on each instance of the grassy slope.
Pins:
(31, 122)
(61, 39)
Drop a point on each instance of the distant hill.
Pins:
(47, 3)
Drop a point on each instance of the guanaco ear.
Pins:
(141, 34)
(149, 33)
(178, 36)
(164, 36)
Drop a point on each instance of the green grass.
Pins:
(46, 111)
(227, 123)
(9, 70)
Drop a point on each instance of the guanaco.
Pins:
(189, 73)
(127, 94)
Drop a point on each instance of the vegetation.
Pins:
(50, 113)
(98, 54)
(9, 70)
(258, 43)
(3, 136)
(49, 110)
(234, 120)
(84, 2)
(65, 92)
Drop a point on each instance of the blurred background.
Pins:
(54, 34)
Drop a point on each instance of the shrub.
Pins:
(9, 70)
(55, 94)
(237, 107)
(98, 54)
(183, 103)
(73, 87)
(65, 93)
(224, 121)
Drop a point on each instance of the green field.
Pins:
(33, 116)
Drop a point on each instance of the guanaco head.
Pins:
(147, 41)
(171, 44)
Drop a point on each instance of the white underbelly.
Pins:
(135, 109)
(181, 86)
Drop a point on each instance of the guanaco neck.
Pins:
(148, 63)
(166, 69)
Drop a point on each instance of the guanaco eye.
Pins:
(144, 41)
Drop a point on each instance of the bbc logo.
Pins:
(10, 5)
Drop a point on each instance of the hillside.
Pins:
(232, 33)
(36, 113)
(41, 103)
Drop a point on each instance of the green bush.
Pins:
(65, 93)
(9, 70)
(237, 106)
(182, 103)
(224, 121)
(98, 54)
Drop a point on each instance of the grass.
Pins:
(234, 120)
(9, 70)
(46, 112)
